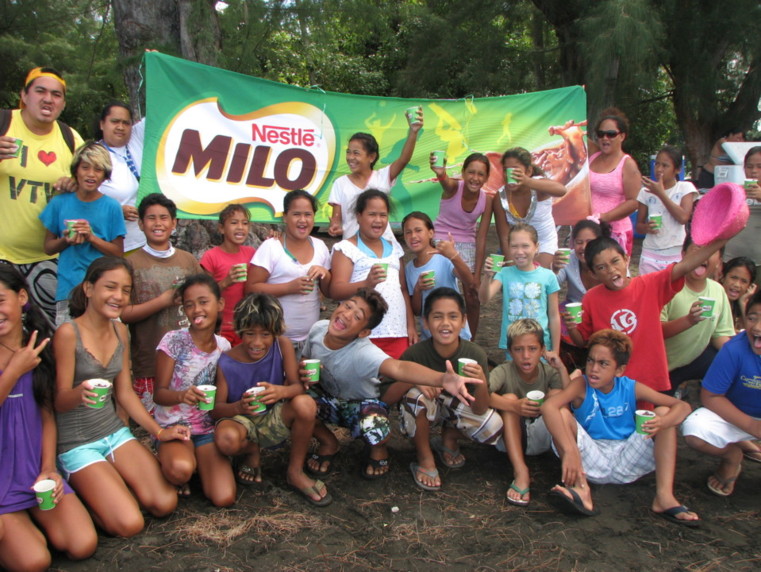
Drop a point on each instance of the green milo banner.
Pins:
(214, 137)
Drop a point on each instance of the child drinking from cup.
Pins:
(665, 207)
(228, 262)
(433, 266)
(111, 471)
(27, 437)
(265, 361)
(186, 364)
(526, 198)
(528, 291)
(462, 203)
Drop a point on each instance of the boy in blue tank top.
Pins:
(592, 423)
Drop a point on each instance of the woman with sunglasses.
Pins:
(614, 178)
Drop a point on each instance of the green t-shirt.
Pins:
(506, 379)
(684, 347)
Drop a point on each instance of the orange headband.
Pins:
(37, 72)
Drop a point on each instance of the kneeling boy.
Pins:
(349, 392)
(731, 397)
(510, 383)
(596, 439)
(444, 318)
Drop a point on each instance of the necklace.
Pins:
(9, 348)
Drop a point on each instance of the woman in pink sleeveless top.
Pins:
(614, 178)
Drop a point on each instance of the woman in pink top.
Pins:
(614, 178)
(463, 201)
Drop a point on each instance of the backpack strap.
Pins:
(68, 134)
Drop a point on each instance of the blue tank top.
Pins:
(241, 376)
(608, 415)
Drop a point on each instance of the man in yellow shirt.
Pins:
(35, 156)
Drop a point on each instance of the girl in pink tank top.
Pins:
(462, 203)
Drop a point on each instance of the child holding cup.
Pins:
(665, 207)
(186, 364)
(27, 434)
(110, 470)
(434, 266)
(519, 387)
(228, 262)
(265, 361)
(592, 423)
(463, 202)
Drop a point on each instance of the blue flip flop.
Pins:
(670, 515)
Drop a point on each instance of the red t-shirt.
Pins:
(217, 262)
(636, 311)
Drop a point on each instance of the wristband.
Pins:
(158, 435)
(456, 254)
(442, 177)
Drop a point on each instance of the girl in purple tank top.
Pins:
(27, 425)
(265, 359)
(463, 201)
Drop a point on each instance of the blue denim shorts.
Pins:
(198, 440)
(85, 455)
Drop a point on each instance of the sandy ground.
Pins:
(391, 524)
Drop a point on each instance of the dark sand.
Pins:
(391, 524)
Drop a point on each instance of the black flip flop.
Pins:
(573, 505)
(670, 515)
(320, 459)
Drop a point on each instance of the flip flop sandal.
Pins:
(441, 450)
(572, 505)
(670, 515)
(723, 484)
(374, 464)
(183, 490)
(754, 456)
(519, 501)
(320, 459)
(315, 489)
(242, 471)
(415, 469)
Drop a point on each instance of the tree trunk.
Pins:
(186, 28)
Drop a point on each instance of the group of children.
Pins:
(162, 329)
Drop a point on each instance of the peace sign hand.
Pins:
(27, 357)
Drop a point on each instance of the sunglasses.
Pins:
(609, 134)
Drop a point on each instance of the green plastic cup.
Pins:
(252, 395)
(101, 387)
(70, 232)
(429, 275)
(313, 367)
(641, 416)
(411, 113)
(439, 158)
(384, 265)
(242, 271)
(43, 490)
(747, 184)
(211, 392)
(657, 219)
(462, 363)
(535, 396)
(565, 253)
(19, 144)
(575, 309)
(708, 306)
(510, 177)
(497, 260)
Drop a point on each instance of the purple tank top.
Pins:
(452, 218)
(20, 447)
(241, 376)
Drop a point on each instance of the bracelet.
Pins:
(456, 254)
(442, 177)
(158, 435)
